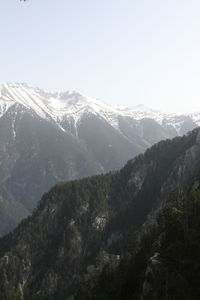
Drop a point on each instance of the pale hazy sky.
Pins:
(121, 51)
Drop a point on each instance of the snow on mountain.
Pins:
(72, 105)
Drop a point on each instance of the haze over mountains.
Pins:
(49, 137)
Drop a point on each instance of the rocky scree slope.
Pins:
(44, 257)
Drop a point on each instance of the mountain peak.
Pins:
(72, 105)
(141, 107)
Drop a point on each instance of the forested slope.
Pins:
(50, 254)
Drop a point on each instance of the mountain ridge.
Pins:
(59, 106)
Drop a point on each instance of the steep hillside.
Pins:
(161, 262)
(45, 257)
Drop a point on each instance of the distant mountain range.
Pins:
(49, 137)
(69, 108)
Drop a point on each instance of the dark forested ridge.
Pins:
(162, 262)
(80, 243)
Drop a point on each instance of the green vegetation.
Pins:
(163, 262)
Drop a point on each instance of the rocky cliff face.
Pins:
(76, 220)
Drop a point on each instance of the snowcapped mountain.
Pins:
(49, 137)
(72, 106)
